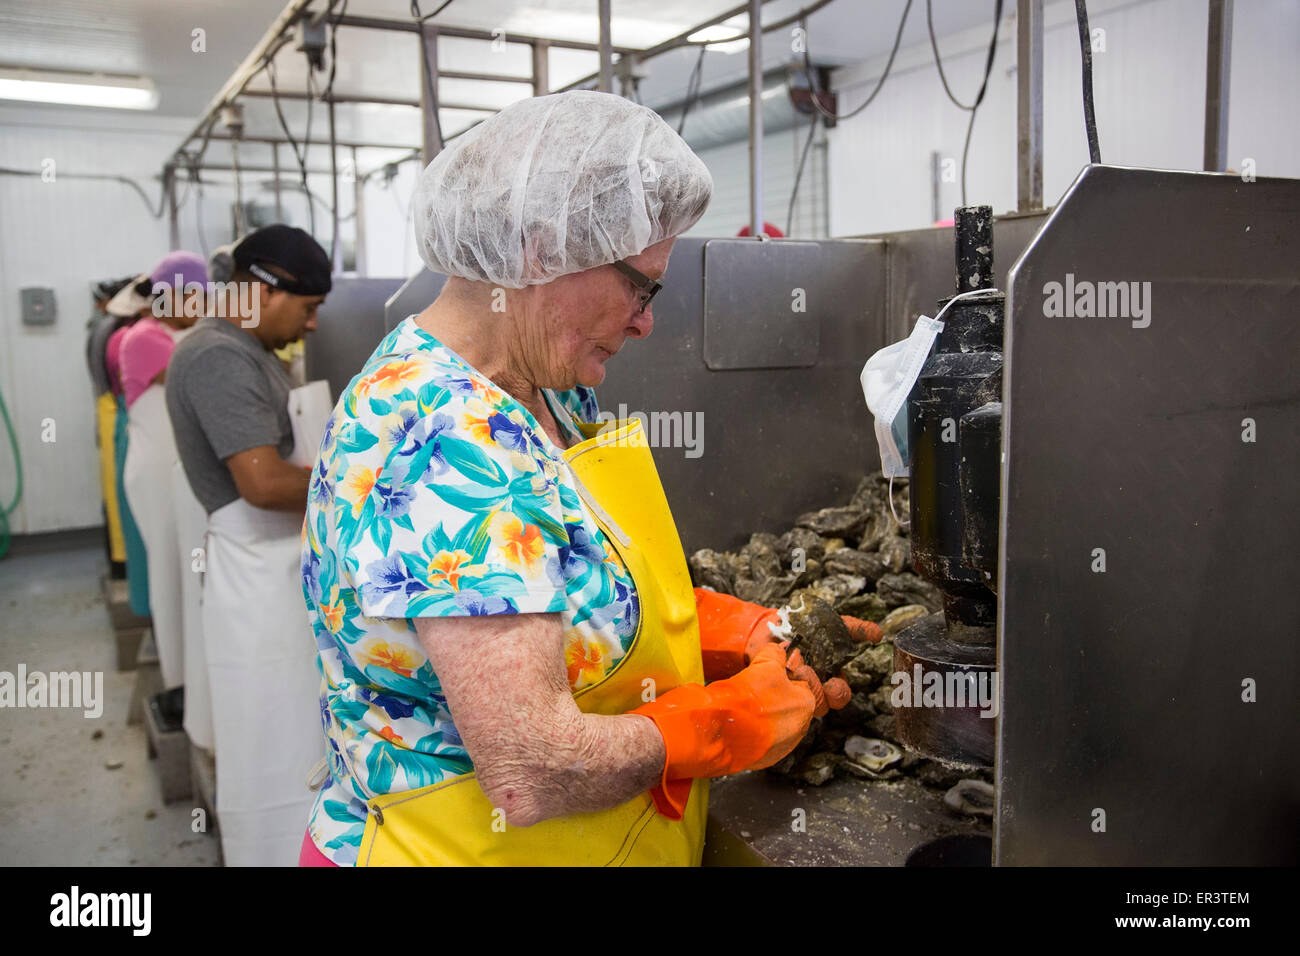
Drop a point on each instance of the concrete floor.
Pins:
(59, 802)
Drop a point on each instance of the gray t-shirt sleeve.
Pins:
(230, 398)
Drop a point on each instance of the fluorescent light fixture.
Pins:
(721, 38)
(78, 89)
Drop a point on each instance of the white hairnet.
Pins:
(557, 184)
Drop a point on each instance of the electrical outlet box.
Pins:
(37, 306)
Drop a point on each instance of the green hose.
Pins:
(5, 512)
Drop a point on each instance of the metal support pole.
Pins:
(239, 189)
(935, 212)
(1218, 66)
(1029, 105)
(173, 210)
(606, 82)
(541, 68)
(359, 214)
(336, 248)
(275, 162)
(756, 118)
(429, 94)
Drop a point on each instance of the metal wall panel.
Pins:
(776, 441)
(1123, 690)
(350, 323)
(415, 293)
(923, 267)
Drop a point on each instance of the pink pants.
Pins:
(310, 856)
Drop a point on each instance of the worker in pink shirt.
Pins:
(179, 286)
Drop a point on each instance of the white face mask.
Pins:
(887, 380)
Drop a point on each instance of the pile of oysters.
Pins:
(855, 560)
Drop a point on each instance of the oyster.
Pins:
(873, 664)
(711, 569)
(896, 554)
(833, 544)
(867, 606)
(972, 797)
(817, 770)
(807, 539)
(879, 526)
(907, 588)
(853, 561)
(873, 754)
(759, 557)
(901, 617)
(833, 522)
(821, 636)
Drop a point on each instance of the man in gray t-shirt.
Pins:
(227, 393)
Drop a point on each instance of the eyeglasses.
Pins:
(644, 285)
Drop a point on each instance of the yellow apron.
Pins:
(453, 824)
(106, 422)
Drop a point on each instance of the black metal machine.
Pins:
(954, 436)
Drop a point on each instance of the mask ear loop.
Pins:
(897, 520)
(948, 305)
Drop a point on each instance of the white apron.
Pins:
(262, 666)
(147, 478)
(191, 529)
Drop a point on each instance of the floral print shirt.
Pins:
(435, 494)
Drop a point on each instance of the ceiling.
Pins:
(154, 38)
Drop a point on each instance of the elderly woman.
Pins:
(514, 662)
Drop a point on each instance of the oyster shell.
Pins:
(833, 522)
(853, 561)
(821, 637)
(901, 617)
(807, 539)
(817, 770)
(907, 588)
(873, 664)
(760, 556)
(867, 606)
(879, 526)
(713, 569)
(896, 554)
(972, 797)
(872, 753)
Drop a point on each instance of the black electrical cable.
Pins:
(415, 11)
(334, 49)
(300, 157)
(789, 217)
(979, 97)
(938, 61)
(693, 85)
(1085, 51)
(807, 62)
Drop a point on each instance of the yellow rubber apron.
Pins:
(453, 824)
(106, 420)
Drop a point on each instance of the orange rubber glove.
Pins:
(733, 631)
(745, 722)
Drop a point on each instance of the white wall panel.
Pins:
(65, 234)
(1149, 94)
(729, 165)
